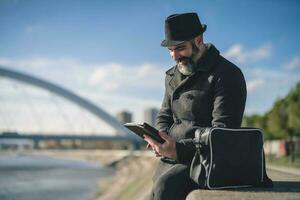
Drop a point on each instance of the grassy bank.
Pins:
(283, 161)
(132, 179)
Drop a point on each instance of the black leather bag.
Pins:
(229, 158)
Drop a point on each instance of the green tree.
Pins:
(277, 120)
(282, 121)
(293, 110)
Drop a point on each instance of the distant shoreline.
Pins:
(104, 157)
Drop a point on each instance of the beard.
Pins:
(187, 65)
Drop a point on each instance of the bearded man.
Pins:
(202, 90)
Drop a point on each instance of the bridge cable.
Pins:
(63, 113)
(87, 119)
(33, 111)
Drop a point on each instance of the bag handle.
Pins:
(197, 142)
(196, 164)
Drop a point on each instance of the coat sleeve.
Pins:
(164, 118)
(185, 148)
(229, 98)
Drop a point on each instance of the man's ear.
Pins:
(199, 40)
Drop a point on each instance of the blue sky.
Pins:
(109, 51)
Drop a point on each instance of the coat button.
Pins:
(178, 121)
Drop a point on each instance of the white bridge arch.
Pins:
(121, 131)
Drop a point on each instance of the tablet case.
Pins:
(144, 129)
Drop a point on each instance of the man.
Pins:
(202, 90)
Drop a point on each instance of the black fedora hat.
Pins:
(182, 27)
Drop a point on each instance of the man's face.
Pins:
(181, 52)
(185, 55)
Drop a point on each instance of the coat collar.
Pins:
(209, 58)
(205, 63)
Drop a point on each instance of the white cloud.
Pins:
(265, 85)
(112, 77)
(103, 73)
(71, 73)
(240, 55)
(293, 64)
(254, 84)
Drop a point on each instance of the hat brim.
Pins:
(168, 43)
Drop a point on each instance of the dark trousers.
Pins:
(172, 182)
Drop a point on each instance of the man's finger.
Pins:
(164, 135)
(151, 141)
(147, 139)
(156, 153)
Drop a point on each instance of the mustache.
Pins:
(183, 59)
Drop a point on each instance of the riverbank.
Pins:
(133, 171)
(132, 180)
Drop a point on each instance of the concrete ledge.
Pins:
(286, 186)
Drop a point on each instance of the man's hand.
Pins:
(156, 153)
(167, 149)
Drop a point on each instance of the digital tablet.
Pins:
(142, 129)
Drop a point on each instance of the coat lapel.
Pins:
(176, 79)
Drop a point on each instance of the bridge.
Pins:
(121, 133)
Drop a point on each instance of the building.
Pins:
(124, 117)
(150, 115)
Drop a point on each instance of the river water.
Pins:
(45, 178)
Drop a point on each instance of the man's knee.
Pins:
(163, 182)
(168, 187)
(173, 184)
(162, 188)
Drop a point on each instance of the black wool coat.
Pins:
(214, 95)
